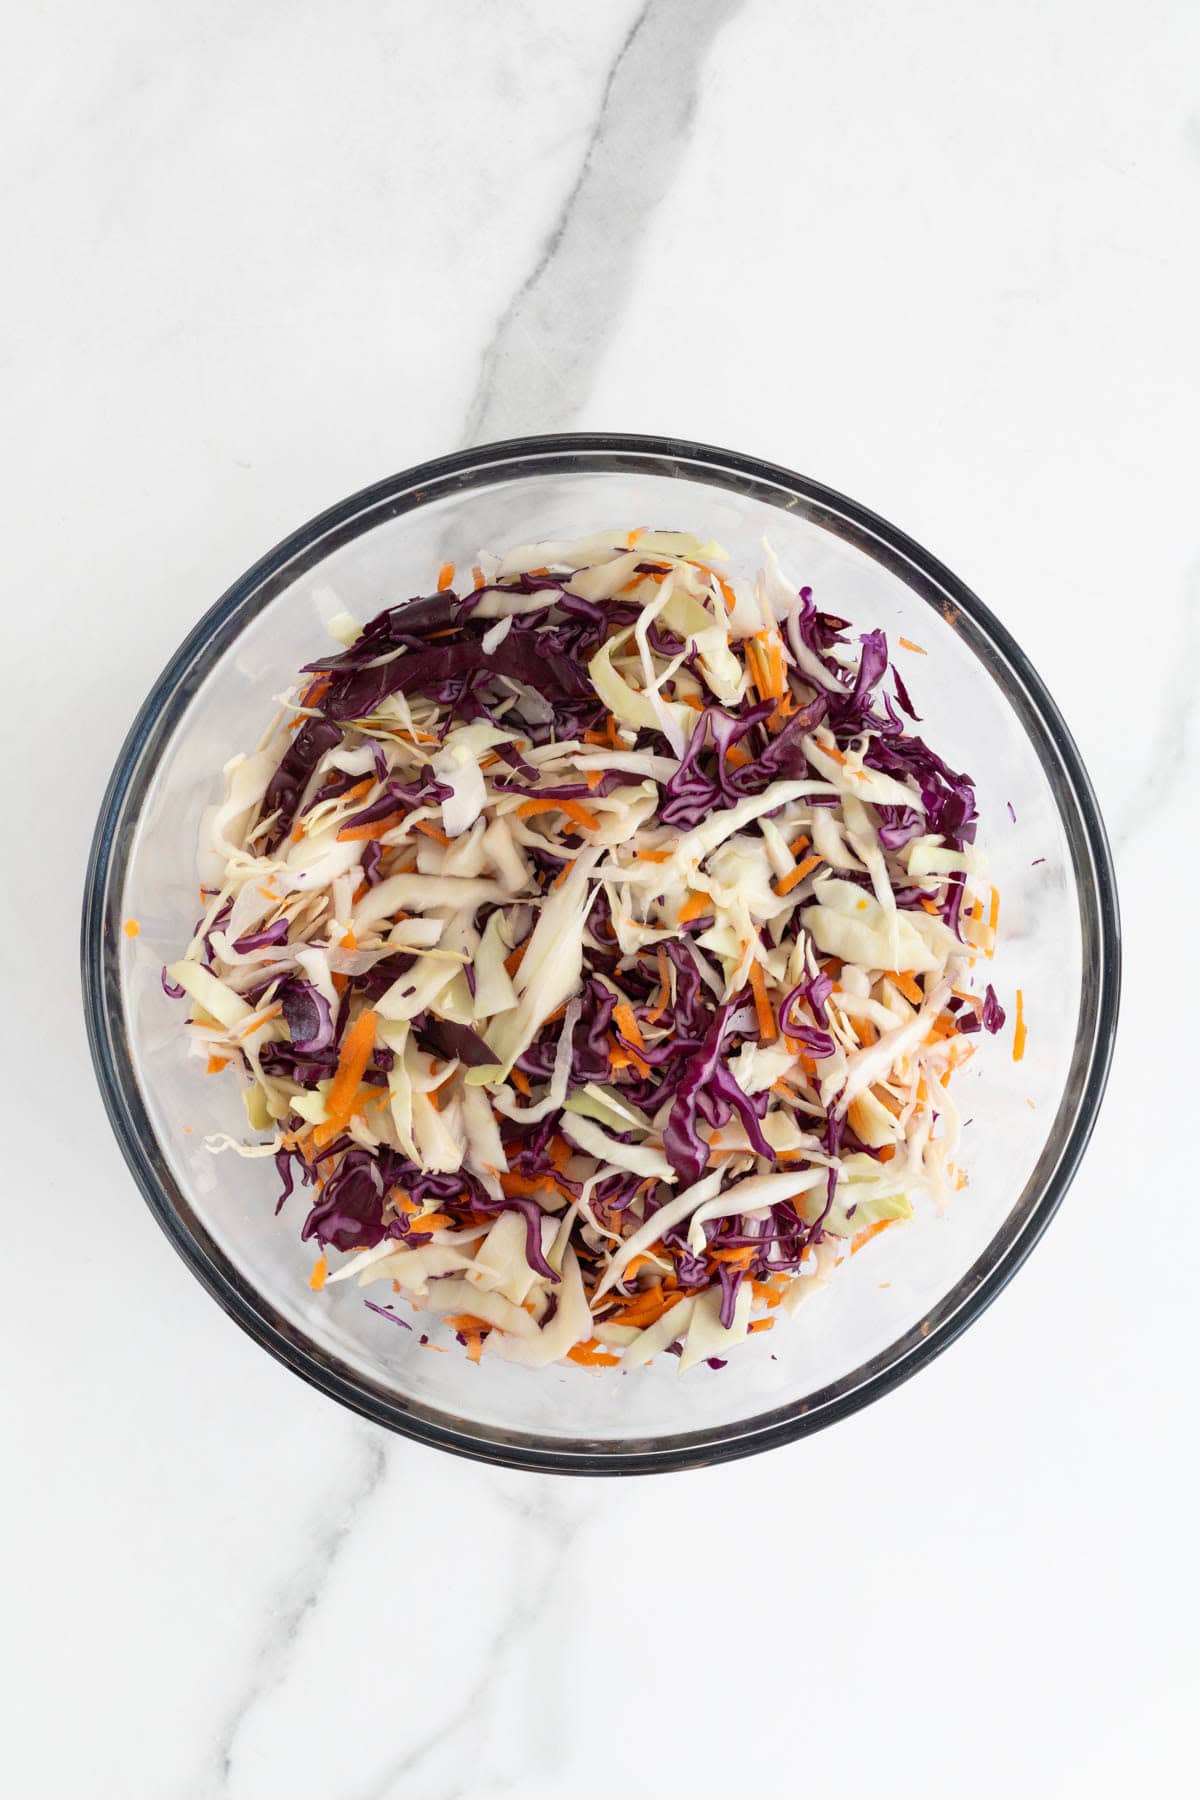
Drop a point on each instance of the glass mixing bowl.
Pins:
(889, 1310)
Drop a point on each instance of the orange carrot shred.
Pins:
(867, 1233)
(664, 988)
(513, 960)
(352, 1062)
(431, 830)
(795, 876)
(907, 986)
(216, 1064)
(571, 809)
(376, 828)
(760, 1325)
(520, 1081)
(694, 907)
(132, 928)
(445, 577)
(907, 644)
(592, 1356)
(349, 941)
(1019, 1028)
(768, 1026)
(628, 1026)
(320, 1270)
(994, 910)
(655, 856)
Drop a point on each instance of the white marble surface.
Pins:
(944, 258)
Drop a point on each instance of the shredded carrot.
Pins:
(476, 578)
(435, 1221)
(775, 666)
(628, 1026)
(867, 1033)
(297, 831)
(771, 1291)
(907, 644)
(768, 1025)
(132, 928)
(514, 959)
(1019, 1028)
(907, 986)
(694, 907)
(471, 1329)
(356, 1049)
(520, 1081)
(734, 1259)
(216, 1064)
(994, 910)
(320, 1270)
(597, 737)
(783, 712)
(431, 830)
(632, 537)
(592, 1356)
(655, 856)
(645, 1308)
(760, 1325)
(352, 834)
(258, 1021)
(867, 1233)
(445, 577)
(523, 1186)
(559, 1152)
(466, 1322)
(737, 756)
(664, 988)
(594, 777)
(621, 1056)
(571, 809)
(349, 941)
(631, 1268)
(340, 983)
(795, 876)
(753, 667)
(316, 690)
(929, 905)
(562, 875)
(832, 750)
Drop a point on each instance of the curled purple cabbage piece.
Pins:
(307, 1015)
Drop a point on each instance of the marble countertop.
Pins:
(943, 259)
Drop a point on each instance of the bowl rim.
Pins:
(663, 456)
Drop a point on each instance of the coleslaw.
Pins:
(594, 938)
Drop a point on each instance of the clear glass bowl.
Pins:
(889, 1310)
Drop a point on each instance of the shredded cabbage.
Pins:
(597, 945)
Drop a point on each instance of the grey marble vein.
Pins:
(450, 1762)
(296, 1606)
(537, 369)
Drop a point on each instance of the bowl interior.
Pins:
(911, 1288)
